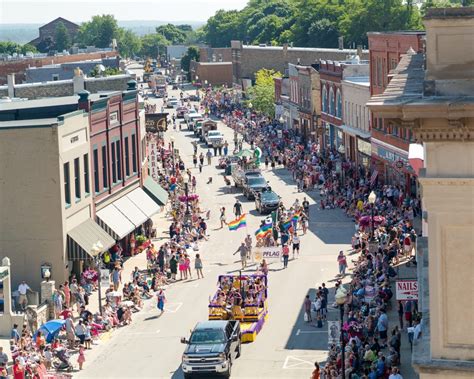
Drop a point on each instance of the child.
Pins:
(48, 357)
(81, 358)
(319, 322)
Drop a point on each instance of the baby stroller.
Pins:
(62, 362)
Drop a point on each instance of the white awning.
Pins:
(144, 202)
(130, 211)
(114, 222)
(355, 131)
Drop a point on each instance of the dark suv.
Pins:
(266, 201)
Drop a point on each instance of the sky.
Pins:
(42, 11)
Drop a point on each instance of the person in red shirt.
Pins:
(18, 370)
(286, 255)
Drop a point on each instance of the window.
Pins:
(96, 170)
(55, 77)
(114, 165)
(105, 178)
(338, 104)
(77, 179)
(67, 185)
(331, 101)
(134, 153)
(118, 152)
(379, 72)
(87, 188)
(127, 158)
(325, 99)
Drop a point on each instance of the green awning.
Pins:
(81, 239)
(155, 191)
(245, 153)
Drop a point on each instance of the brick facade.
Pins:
(210, 54)
(49, 30)
(18, 67)
(216, 73)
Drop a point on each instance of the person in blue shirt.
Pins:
(380, 366)
(14, 333)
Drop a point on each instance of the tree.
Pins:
(7, 47)
(129, 44)
(192, 54)
(185, 28)
(223, 27)
(62, 39)
(262, 94)
(153, 45)
(172, 33)
(109, 71)
(100, 31)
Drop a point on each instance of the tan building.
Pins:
(37, 212)
(213, 73)
(433, 97)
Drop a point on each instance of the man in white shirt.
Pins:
(23, 288)
(395, 374)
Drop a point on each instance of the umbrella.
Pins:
(50, 329)
(244, 153)
(365, 220)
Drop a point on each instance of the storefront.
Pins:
(364, 152)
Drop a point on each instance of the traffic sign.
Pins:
(407, 289)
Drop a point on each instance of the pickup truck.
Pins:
(214, 138)
(211, 348)
(266, 201)
(239, 174)
(253, 184)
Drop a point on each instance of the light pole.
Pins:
(372, 199)
(96, 250)
(186, 193)
(172, 156)
(341, 294)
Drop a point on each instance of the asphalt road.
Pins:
(287, 346)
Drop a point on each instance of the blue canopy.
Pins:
(50, 329)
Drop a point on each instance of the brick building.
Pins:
(390, 143)
(215, 54)
(18, 67)
(48, 31)
(247, 60)
(214, 73)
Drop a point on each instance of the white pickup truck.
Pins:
(214, 138)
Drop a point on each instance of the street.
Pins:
(287, 346)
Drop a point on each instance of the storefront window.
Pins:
(325, 99)
(331, 101)
(338, 104)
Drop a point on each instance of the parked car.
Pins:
(212, 348)
(266, 201)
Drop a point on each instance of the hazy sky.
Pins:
(41, 11)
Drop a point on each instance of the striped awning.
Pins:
(144, 202)
(114, 222)
(81, 239)
(157, 192)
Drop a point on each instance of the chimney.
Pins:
(84, 102)
(78, 81)
(11, 85)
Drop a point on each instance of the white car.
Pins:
(214, 138)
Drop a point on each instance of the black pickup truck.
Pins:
(211, 349)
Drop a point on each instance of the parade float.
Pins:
(244, 298)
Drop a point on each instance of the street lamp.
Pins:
(172, 156)
(340, 297)
(96, 250)
(186, 193)
(372, 199)
(250, 105)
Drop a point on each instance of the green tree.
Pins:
(129, 44)
(192, 54)
(62, 39)
(262, 94)
(109, 71)
(172, 33)
(8, 47)
(100, 31)
(185, 28)
(222, 28)
(153, 45)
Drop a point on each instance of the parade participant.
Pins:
(307, 309)
(341, 260)
(81, 358)
(296, 244)
(198, 266)
(183, 273)
(286, 255)
(243, 254)
(237, 209)
(187, 262)
(316, 372)
(160, 300)
(222, 218)
(264, 267)
(248, 243)
(305, 204)
(209, 157)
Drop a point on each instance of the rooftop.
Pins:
(436, 13)
(28, 123)
(313, 49)
(47, 102)
(400, 32)
(360, 80)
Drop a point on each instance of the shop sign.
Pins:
(156, 122)
(364, 147)
(104, 278)
(268, 253)
(153, 157)
(389, 155)
(407, 289)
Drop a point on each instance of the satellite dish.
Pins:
(101, 68)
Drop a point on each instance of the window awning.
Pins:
(114, 222)
(130, 211)
(81, 239)
(144, 202)
(155, 191)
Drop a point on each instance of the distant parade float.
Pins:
(243, 298)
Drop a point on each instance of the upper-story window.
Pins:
(331, 101)
(324, 99)
(338, 104)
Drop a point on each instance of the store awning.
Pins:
(144, 202)
(155, 191)
(81, 239)
(114, 222)
(130, 211)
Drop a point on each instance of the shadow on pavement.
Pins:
(155, 317)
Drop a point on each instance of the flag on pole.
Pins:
(296, 216)
(265, 230)
(287, 224)
(239, 222)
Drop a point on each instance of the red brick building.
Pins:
(389, 142)
(331, 103)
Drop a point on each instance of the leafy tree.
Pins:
(153, 45)
(109, 71)
(62, 39)
(185, 28)
(172, 33)
(222, 28)
(46, 45)
(192, 54)
(262, 94)
(100, 31)
(8, 47)
(129, 44)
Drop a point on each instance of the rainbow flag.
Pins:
(238, 223)
(287, 224)
(296, 216)
(264, 230)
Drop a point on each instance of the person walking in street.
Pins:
(296, 244)
(222, 217)
(307, 309)
(248, 243)
(237, 209)
(195, 160)
(201, 159)
(316, 372)
(198, 266)
(305, 204)
(286, 255)
(243, 254)
(160, 300)
(209, 156)
(342, 261)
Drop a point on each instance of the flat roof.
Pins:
(47, 102)
(401, 32)
(214, 63)
(362, 80)
(28, 123)
(313, 49)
